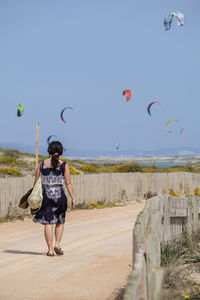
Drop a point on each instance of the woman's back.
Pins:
(52, 176)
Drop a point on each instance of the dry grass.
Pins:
(98, 205)
(178, 284)
(12, 219)
(181, 259)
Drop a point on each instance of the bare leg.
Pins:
(58, 234)
(48, 232)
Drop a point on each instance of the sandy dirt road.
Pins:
(97, 246)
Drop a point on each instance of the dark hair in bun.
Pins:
(55, 149)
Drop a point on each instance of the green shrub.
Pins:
(82, 206)
(11, 153)
(6, 160)
(98, 205)
(173, 169)
(12, 172)
(93, 204)
(96, 165)
(153, 167)
(78, 161)
(170, 253)
(106, 170)
(125, 168)
(197, 191)
(12, 161)
(88, 169)
(73, 171)
(11, 218)
(64, 159)
(173, 194)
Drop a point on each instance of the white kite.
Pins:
(168, 20)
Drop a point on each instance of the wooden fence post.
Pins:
(37, 145)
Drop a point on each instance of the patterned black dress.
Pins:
(54, 203)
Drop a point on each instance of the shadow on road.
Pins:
(22, 252)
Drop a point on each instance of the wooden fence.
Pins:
(114, 187)
(163, 219)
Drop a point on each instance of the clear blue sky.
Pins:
(83, 54)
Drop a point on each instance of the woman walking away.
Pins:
(54, 173)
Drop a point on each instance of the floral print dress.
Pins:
(54, 203)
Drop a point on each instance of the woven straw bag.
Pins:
(35, 198)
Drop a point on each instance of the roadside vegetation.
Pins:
(12, 219)
(89, 168)
(98, 205)
(16, 163)
(181, 261)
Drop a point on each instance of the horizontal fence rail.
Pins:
(114, 187)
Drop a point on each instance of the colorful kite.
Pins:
(117, 146)
(20, 110)
(61, 114)
(149, 106)
(48, 140)
(127, 93)
(182, 129)
(168, 20)
(171, 120)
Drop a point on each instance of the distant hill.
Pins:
(15, 162)
(82, 153)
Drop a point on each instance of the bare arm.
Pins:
(37, 174)
(69, 185)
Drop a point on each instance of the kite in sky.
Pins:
(62, 112)
(127, 93)
(48, 140)
(182, 129)
(171, 120)
(168, 20)
(149, 106)
(20, 110)
(117, 145)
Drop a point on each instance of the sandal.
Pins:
(50, 254)
(58, 251)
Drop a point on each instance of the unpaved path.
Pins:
(97, 246)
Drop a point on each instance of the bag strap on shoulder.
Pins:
(41, 165)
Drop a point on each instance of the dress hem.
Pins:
(43, 222)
